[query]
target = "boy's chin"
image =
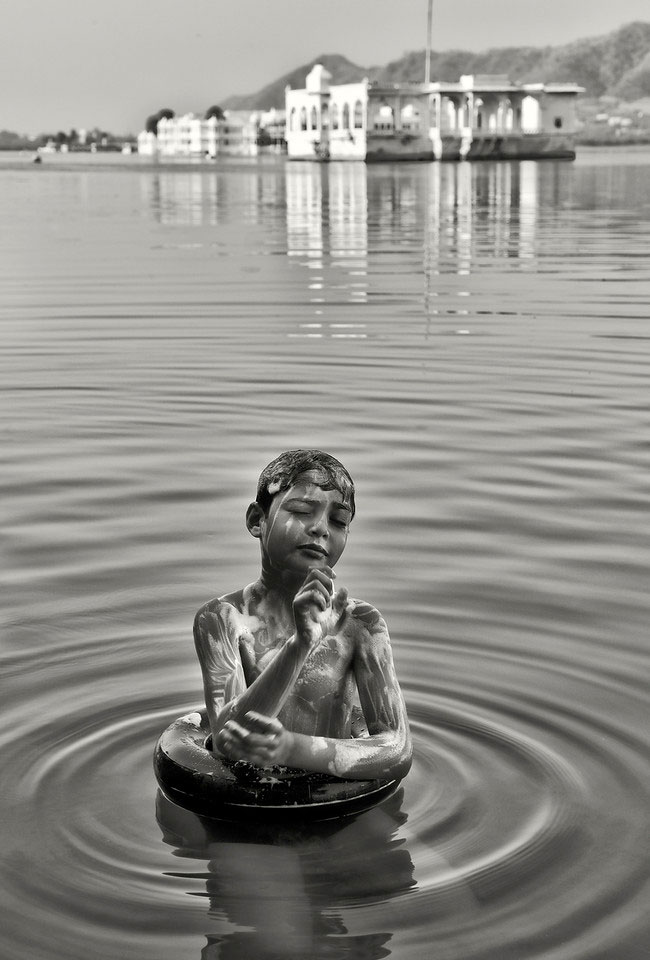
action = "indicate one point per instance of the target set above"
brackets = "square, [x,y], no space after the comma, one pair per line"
[306,561]
[313,559]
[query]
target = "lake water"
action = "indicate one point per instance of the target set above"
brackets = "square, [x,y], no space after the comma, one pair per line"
[472,340]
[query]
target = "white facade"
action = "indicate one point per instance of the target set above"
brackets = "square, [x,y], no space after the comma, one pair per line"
[347,121]
[477,116]
[325,121]
[187,136]
[147,143]
[194,136]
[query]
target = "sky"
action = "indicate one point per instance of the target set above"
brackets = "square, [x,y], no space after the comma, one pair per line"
[110,63]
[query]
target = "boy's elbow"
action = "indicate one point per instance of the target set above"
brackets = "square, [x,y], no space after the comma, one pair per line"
[397,755]
[398,760]
[403,763]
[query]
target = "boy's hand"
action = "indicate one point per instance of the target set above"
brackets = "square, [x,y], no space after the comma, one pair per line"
[316,608]
[260,740]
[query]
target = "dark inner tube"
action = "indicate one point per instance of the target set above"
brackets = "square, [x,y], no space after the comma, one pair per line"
[190,775]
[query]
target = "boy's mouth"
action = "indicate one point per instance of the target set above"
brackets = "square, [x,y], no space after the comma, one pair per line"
[313,549]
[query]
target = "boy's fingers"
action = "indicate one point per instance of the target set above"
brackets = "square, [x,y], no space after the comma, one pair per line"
[240,733]
[340,600]
[317,597]
[234,729]
[263,724]
[324,575]
[314,583]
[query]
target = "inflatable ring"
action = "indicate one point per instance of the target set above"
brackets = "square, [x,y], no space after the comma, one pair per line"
[192,776]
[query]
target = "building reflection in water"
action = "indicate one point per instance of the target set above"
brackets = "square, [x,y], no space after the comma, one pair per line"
[528,204]
[327,235]
[346,227]
[281,891]
[182,197]
[207,196]
[344,222]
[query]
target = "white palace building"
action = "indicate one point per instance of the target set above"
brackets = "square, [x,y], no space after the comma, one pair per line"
[480,116]
[236,134]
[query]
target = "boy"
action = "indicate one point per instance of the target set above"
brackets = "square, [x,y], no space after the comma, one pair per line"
[294,672]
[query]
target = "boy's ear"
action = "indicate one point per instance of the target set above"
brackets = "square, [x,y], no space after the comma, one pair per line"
[254,517]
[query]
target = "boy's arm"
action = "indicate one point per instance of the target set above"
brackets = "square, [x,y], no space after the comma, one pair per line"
[216,638]
[216,641]
[384,754]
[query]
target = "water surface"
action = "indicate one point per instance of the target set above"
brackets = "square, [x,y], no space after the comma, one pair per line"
[472,341]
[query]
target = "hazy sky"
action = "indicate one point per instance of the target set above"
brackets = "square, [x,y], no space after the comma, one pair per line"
[110,63]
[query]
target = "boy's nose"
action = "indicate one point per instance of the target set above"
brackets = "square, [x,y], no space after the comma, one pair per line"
[319,526]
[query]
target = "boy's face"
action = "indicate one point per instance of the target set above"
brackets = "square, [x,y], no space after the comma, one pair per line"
[306,526]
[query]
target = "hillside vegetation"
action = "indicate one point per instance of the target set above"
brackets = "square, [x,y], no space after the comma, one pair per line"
[616,65]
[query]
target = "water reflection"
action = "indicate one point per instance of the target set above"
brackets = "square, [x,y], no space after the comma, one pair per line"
[185,198]
[457,209]
[327,237]
[277,892]
[457,214]
[207,197]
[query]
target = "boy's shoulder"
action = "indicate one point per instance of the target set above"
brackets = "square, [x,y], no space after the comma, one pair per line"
[366,617]
[222,606]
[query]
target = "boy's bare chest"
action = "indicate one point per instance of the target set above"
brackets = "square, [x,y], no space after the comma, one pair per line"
[324,672]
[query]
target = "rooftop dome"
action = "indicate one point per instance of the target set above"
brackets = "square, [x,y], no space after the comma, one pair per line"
[318,79]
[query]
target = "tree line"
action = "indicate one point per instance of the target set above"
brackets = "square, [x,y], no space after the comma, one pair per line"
[152,121]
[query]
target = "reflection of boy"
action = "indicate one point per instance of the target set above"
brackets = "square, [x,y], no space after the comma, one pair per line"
[294,672]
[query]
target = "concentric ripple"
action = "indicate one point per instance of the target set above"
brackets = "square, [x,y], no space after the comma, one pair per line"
[498,803]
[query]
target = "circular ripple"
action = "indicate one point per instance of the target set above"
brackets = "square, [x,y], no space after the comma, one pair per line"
[490,820]
[495,802]
[86,804]
[507,818]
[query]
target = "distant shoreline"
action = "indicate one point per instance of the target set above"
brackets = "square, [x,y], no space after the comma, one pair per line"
[621,141]
[618,143]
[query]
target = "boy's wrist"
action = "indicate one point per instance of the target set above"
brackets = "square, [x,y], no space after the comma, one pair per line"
[305,637]
[289,748]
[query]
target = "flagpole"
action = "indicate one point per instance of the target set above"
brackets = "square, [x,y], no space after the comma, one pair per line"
[427,63]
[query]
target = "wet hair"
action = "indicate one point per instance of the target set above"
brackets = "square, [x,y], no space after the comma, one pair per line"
[282,472]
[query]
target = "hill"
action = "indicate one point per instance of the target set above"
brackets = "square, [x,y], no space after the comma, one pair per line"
[615,65]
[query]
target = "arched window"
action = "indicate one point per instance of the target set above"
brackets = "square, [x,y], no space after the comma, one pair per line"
[314,118]
[504,115]
[345,121]
[334,115]
[384,119]
[410,117]
[303,118]
[478,113]
[531,115]
[292,119]
[358,115]
[324,115]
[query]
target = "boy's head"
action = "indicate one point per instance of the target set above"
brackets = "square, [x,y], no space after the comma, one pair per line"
[283,472]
